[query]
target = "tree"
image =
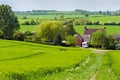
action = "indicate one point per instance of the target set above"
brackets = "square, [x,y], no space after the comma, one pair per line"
[70,30]
[71,40]
[58,39]
[1,33]
[86,15]
[111,42]
[50,29]
[8,21]
[98,39]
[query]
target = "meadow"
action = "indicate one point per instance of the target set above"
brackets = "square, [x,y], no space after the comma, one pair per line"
[23,59]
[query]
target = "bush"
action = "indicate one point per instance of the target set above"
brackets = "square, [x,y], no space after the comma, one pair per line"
[28,33]
[28,38]
[110,23]
[111,42]
[19,36]
[71,40]
[98,39]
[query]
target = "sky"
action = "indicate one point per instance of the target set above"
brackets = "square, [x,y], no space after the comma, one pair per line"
[63,5]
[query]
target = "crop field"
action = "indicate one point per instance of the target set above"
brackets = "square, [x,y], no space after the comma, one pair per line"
[31,28]
[24,60]
[104,19]
[79,29]
[110,68]
[109,29]
[32,61]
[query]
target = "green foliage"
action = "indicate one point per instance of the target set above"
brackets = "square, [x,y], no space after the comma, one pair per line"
[111,42]
[98,39]
[31,22]
[70,29]
[19,36]
[71,40]
[58,39]
[50,29]
[86,15]
[1,33]
[8,21]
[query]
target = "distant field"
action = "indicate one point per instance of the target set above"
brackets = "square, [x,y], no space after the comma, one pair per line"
[109,29]
[104,19]
[32,28]
[79,29]
[50,16]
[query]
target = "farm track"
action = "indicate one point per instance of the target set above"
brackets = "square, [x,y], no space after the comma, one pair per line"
[84,71]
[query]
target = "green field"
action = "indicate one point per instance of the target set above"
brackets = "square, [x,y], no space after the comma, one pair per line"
[109,29]
[28,59]
[31,28]
[32,61]
[79,29]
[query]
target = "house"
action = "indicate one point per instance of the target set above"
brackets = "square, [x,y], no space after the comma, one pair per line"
[117,36]
[79,39]
[88,33]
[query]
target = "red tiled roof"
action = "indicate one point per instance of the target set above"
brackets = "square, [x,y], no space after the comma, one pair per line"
[90,31]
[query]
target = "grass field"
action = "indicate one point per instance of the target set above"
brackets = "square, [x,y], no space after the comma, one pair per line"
[109,29]
[31,60]
[110,68]
[31,28]
[79,29]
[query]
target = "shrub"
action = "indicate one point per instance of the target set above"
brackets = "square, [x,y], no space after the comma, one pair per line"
[71,40]
[111,42]
[28,33]
[28,38]
[19,36]
[98,39]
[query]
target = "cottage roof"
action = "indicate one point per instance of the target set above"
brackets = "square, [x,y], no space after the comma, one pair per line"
[89,31]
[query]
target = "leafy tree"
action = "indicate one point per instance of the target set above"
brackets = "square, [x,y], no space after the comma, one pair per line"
[50,29]
[86,15]
[70,30]
[8,21]
[98,39]
[58,39]
[71,40]
[111,42]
